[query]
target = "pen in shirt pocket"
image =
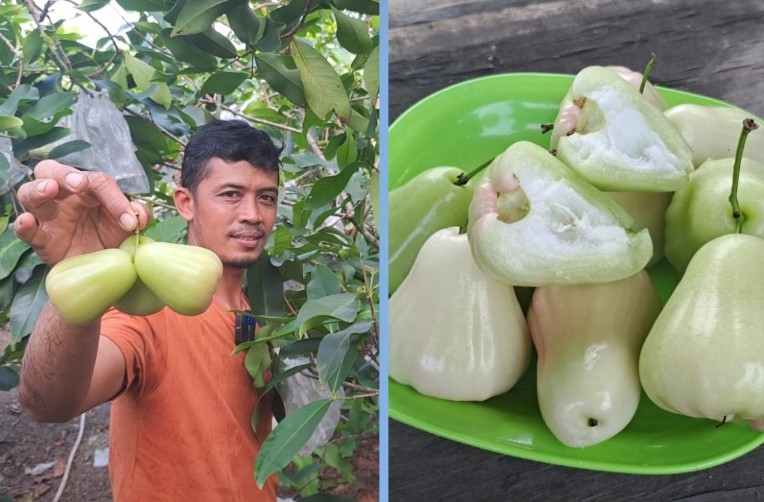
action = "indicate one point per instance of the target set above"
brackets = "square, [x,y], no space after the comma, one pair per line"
[245,329]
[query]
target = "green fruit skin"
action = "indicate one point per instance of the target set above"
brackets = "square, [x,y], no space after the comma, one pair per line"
[704,356]
[139,301]
[131,244]
[82,288]
[184,277]
[701,211]
[425,204]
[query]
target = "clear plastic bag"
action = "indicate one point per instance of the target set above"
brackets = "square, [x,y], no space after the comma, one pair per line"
[96,120]
[299,390]
[16,170]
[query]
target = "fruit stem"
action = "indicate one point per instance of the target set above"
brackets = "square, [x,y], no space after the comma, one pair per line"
[646,73]
[137,232]
[748,126]
[463,178]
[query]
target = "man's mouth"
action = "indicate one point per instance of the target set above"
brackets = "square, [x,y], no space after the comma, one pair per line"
[248,239]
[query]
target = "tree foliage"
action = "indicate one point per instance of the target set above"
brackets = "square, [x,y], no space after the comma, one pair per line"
[305,71]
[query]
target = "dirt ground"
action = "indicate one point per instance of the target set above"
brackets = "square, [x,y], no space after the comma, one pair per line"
[33,458]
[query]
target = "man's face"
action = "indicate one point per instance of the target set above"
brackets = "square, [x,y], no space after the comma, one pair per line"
[232,212]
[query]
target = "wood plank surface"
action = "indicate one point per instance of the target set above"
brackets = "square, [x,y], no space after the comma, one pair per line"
[709,47]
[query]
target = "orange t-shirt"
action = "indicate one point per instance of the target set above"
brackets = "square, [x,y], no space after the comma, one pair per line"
[181,428]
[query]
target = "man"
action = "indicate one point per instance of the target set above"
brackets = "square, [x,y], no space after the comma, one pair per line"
[182,404]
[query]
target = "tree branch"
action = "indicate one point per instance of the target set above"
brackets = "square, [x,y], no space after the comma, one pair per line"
[299,22]
[314,146]
[19,56]
[162,129]
[117,50]
[53,44]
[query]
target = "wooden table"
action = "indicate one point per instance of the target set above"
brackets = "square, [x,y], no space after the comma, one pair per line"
[708,47]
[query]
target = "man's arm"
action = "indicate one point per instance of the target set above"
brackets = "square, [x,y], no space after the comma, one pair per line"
[68,369]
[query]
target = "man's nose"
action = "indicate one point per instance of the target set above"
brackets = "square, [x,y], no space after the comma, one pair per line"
[249,211]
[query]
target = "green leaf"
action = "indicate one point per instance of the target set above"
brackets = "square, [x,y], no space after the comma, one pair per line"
[286,439]
[188,53]
[300,215]
[32,45]
[271,39]
[358,122]
[27,264]
[27,305]
[347,152]
[92,5]
[282,238]
[265,288]
[329,236]
[34,127]
[48,106]
[323,88]
[67,148]
[196,16]
[327,188]
[6,293]
[214,43]
[24,92]
[146,133]
[290,12]
[11,250]
[300,347]
[10,122]
[247,27]
[361,6]
[333,458]
[283,375]
[224,82]
[374,198]
[142,5]
[258,361]
[323,282]
[143,74]
[352,33]
[285,81]
[168,230]
[21,147]
[337,140]
[5,216]
[371,74]
[8,380]
[336,357]
[314,312]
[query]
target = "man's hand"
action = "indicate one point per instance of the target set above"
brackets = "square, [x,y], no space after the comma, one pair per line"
[70,212]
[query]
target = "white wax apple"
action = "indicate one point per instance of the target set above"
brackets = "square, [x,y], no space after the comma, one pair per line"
[455,333]
[588,339]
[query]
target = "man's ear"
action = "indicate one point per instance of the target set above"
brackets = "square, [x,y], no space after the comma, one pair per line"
[184,203]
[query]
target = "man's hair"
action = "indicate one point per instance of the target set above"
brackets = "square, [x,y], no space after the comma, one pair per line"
[231,141]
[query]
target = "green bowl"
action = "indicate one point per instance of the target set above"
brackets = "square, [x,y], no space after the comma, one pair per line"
[466,125]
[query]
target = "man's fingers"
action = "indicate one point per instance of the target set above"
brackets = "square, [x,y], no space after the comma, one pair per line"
[25,227]
[37,197]
[68,178]
[95,187]
[143,211]
[105,190]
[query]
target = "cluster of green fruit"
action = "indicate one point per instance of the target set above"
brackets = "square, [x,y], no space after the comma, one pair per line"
[574,229]
[140,278]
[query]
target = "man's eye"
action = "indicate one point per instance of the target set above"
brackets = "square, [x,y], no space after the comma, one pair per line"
[229,195]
